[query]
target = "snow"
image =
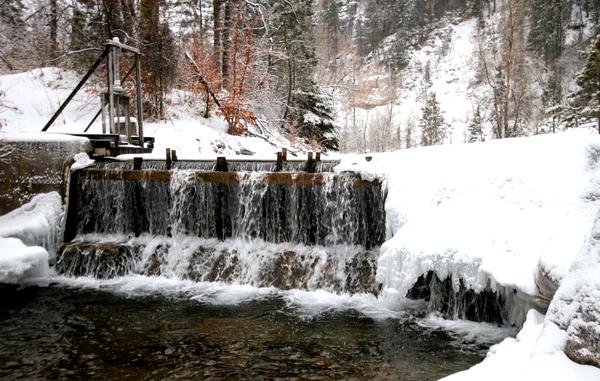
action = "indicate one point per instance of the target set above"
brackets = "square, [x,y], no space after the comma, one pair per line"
[535,354]
[450,54]
[82,160]
[20,263]
[36,223]
[485,212]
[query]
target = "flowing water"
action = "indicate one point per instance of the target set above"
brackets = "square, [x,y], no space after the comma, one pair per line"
[84,333]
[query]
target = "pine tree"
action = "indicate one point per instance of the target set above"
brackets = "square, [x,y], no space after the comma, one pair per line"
[547,28]
[584,103]
[475,128]
[306,110]
[433,128]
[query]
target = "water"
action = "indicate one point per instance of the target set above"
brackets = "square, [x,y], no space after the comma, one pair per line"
[79,333]
[337,268]
[321,209]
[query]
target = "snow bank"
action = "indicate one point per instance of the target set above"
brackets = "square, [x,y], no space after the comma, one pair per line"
[576,306]
[486,212]
[36,223]
[536,354]
[19,263]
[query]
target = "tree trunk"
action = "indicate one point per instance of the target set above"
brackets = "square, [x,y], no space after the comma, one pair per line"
[228,25]
[217,29]
[53,28]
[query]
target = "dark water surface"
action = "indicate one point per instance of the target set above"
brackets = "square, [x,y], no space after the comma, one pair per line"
[63,333]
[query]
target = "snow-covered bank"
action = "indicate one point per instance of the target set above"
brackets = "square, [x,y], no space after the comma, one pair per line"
[36,223]
[490,212]
[535,354]
[19,262]
[28,237]
[495,214]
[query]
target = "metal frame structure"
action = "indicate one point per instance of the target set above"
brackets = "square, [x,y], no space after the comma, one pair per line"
[115,98]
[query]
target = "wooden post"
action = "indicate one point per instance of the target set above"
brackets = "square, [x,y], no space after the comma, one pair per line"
[138,99]
[284,153]
[168,159]
[221,165]
[137,163]
[173,155]
[318,156]
[311,164]
[280,156]
[111,98]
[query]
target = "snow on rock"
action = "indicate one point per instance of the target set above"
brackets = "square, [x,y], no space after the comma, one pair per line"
[36,223]
[485,212]
[535,354]
[19,262]
[576,305]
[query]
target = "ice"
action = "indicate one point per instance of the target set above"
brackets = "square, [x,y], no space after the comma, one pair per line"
[19,263]
[36,223]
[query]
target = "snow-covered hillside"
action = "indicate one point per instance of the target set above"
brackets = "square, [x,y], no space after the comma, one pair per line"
[444,65]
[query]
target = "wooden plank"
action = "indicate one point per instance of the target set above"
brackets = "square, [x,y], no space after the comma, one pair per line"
[230,178]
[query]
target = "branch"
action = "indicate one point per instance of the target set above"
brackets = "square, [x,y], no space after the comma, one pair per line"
[203,80]
[71,53]
[6,61]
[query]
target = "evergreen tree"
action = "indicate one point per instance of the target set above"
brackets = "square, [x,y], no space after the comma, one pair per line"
[547,28]
[316,123]
[306,109]
[584,103]
[475,128]
[433,128]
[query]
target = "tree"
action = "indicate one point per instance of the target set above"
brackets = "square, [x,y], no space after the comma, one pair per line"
[475,128]
[306,109]
[584,103]
[504,68]
[158,49]
[433,128]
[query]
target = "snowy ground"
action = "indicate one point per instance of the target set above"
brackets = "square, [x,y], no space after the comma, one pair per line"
[492,210]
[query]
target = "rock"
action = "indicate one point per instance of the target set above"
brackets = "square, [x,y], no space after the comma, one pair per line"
[583,342]
[245,151]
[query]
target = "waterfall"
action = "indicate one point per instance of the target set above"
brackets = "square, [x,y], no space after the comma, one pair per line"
[267,229]
[312,209]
